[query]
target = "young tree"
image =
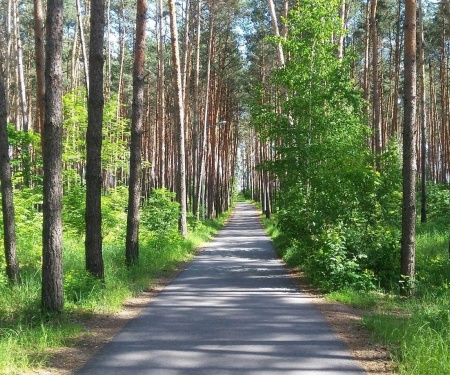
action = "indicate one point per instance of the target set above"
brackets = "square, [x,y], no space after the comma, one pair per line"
[93,243]
[409,150]
[52,276]
[12,264]
[132,239]
[180,119]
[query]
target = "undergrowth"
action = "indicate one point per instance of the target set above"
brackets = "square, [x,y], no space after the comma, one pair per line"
[26,336]
[416,330]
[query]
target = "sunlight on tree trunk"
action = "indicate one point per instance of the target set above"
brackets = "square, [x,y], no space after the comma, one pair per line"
[409,153]
[52,273]
[134,197]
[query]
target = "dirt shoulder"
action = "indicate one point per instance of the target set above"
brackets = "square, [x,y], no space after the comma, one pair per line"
[346,322]
[100,329]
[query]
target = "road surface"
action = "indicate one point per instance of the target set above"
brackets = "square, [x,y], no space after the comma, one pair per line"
[233,311]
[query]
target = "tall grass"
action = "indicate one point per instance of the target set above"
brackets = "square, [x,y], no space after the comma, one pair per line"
[26,336]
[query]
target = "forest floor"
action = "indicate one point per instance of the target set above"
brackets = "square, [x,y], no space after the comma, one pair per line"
[100,329]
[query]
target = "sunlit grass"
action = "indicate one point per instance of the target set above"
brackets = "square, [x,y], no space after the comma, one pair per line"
[26,336]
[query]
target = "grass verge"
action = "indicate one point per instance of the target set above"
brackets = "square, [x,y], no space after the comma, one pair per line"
[26,336]
[415,330]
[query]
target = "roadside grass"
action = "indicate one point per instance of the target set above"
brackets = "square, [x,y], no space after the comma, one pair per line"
[26,336]
[416,330]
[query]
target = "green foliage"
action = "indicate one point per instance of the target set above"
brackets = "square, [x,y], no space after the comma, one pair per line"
[115,150]
[161,212]
[26,336]
[24,144]
[114,213]
[342,217]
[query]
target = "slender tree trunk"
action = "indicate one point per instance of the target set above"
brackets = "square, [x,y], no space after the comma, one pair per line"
[396,74]
[180,118]
[108,50]
[276,31]
[22,94]
[8,56]
[162,98]
[73,76]
[132,239]
[40,62]
[195,141]
[366,83]
[409,151]
[376,102]
[83,45]
[93,242]
[9,231]
[204,154]
[52,277]
[122,33]
[342,15]
[423,118]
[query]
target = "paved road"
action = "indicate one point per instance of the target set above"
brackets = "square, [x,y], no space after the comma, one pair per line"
[232,311]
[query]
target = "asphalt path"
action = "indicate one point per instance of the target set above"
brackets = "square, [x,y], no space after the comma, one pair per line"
[233,310]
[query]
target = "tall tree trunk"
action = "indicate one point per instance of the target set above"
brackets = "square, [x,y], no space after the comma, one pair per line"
[423,118]
[108,50]
[132,238]
[204,154]
[376,102]
[40,62]
[366,81]
[83,45]
[342,15]
[276,31]
[22,94]
[180,119]
[162,98]
[52,276]
[397,73]
[122,32]
[195,135]
[9,231]
[93,242]
[409,151]
[8,56]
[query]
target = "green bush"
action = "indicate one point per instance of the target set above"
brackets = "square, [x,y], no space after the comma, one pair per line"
[160,212]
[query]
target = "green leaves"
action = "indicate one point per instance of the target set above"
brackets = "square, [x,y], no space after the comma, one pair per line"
[341,215]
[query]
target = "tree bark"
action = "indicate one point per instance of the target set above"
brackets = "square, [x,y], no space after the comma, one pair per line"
[23,96]
[202,179]
[409,151]
[134,197]
[162,98]
[276,31]
[83,46]
[40,62]
[423,118]
[376,102]
[52,276]
[9,240]
[180,119]
[93,216]
[195,135]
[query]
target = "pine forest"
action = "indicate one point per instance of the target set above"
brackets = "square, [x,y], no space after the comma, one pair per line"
[129,129]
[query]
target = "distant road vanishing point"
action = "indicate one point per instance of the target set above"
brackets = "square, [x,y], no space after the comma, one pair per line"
[233,311]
